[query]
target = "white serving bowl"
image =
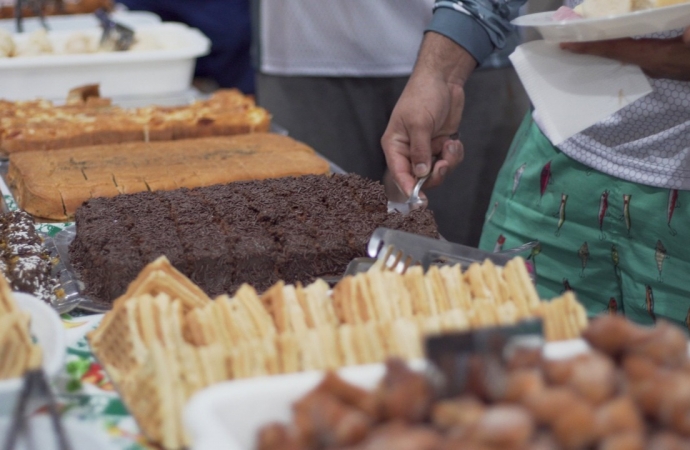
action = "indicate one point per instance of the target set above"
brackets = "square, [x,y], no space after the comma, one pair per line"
[47,329]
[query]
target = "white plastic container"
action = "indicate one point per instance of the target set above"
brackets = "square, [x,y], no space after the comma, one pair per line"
[130,73]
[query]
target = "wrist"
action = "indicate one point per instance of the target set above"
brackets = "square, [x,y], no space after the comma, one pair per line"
[441,57]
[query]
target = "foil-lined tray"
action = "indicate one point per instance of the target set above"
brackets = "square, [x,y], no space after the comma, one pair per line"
[69,279]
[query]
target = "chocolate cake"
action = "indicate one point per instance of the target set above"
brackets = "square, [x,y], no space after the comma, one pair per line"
[24,260]
[293,229]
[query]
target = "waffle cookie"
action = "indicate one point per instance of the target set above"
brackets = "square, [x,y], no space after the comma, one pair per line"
[164,340]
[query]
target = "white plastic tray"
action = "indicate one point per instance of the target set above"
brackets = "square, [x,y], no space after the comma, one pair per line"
[130,73]
[229,415]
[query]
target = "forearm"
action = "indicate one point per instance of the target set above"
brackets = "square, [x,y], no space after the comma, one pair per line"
[440,57]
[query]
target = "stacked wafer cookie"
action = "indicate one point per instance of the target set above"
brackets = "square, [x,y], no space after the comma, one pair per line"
[18,353]
[165,339]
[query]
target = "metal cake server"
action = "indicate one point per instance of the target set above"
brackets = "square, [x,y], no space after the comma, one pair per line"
[414,202]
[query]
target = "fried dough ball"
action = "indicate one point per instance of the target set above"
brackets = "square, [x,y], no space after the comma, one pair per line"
[638,367]
[558,371]
[611,334]
[648,396]
[544,441]
[322,419]
[623,441]
[505,426]
[521,383]
[619,415]
[667,441]
[547,404]
[675,403]
[277,436]
[400,436]
[666,345]
[404,394]
[594,377]
[350,394]
[576,427]
[458,413]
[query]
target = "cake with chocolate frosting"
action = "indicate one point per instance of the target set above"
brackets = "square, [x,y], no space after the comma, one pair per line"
[258,232]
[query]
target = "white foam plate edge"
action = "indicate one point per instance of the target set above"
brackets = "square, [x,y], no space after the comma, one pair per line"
[49,332]
[232,412]
[636,23]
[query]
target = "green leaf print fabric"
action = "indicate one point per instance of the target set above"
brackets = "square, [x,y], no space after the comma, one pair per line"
[621,247]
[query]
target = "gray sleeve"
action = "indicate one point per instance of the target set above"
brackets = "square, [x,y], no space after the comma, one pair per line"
[479,26]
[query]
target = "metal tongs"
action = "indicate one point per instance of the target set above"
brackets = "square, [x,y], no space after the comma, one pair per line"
[458,362]
[37,7]
[116,37]
[35,388]
[398,250]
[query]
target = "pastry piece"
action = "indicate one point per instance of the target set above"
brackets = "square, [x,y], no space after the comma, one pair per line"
[40,125]
[24,260]
[52,185]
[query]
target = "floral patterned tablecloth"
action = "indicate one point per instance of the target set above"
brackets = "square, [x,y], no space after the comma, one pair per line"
[83,389]
[85,392]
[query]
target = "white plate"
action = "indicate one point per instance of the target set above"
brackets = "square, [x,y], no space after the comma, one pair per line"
[233,412]
[637,23]
[81,435]
[49,332]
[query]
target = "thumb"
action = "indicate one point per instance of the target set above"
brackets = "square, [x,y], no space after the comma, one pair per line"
[420,151]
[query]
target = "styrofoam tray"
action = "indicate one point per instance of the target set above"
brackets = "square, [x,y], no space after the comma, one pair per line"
[229,415]
[129,73]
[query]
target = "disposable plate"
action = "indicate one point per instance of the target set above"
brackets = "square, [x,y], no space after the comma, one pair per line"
[637,23]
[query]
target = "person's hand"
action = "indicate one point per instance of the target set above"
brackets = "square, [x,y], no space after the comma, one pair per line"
[427,114]
[658,58]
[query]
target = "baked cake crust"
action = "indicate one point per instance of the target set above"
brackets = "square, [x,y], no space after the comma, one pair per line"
[40,125]
[54,184]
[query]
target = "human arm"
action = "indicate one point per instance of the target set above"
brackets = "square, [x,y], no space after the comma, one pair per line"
[461,34]
[427,113]
[658,58]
